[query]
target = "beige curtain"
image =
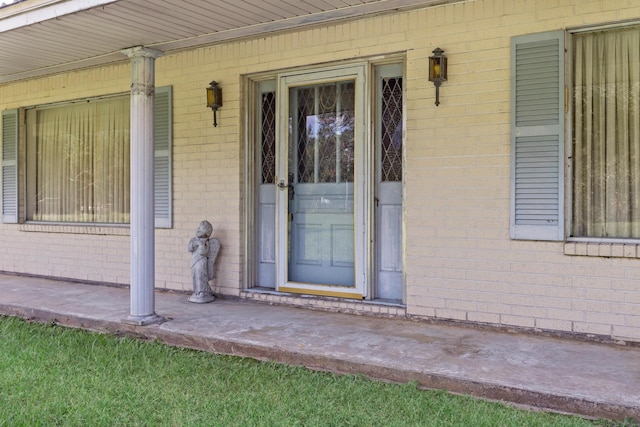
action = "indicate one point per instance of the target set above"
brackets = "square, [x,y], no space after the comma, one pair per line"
[606,152]
[82,171]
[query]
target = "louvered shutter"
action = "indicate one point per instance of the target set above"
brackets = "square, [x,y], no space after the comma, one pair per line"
[162,157]
[537,137]
[10,166]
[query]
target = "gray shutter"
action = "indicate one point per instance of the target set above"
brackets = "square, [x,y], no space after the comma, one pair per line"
[162,157]
[10,166]
[537,136]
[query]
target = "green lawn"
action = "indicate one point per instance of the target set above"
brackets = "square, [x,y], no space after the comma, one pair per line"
[50,375]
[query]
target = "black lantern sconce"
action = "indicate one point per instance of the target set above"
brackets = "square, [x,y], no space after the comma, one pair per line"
[214,99]
[437,70]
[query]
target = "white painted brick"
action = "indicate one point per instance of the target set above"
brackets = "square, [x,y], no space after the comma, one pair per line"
[491,318]
[554,325]
[592,328]
[527,322]
[446,313]
[461,263]
[626,333]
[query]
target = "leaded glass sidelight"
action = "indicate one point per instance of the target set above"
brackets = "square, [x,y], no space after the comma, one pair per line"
[391,129]
[324,143]
[268,137]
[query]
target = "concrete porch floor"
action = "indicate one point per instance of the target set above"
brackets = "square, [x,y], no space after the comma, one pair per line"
[587,378]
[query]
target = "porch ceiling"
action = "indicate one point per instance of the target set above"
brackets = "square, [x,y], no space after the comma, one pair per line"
[40,37]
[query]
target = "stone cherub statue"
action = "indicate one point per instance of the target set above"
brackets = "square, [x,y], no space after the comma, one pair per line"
[204,251]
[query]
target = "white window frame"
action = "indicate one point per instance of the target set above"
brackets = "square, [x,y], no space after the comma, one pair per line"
[163,130]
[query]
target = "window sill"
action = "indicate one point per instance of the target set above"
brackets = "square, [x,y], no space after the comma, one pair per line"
[96,229]
[606,249]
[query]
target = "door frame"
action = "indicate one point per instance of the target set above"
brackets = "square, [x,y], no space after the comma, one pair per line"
[252,175]
[380,72]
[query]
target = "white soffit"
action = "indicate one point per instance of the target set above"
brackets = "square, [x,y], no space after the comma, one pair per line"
[40,37]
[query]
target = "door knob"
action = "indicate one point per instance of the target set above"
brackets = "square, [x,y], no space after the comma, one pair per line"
[282,186]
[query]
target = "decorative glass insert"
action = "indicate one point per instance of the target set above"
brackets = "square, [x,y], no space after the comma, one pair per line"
[268,137]
[324,126]
[392,129]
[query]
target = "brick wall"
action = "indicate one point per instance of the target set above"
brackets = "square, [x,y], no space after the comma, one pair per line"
[460,262]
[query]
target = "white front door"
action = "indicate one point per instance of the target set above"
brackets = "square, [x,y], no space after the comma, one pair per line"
[320,205]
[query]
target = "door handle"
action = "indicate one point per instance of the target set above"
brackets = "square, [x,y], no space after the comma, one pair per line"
[282,186]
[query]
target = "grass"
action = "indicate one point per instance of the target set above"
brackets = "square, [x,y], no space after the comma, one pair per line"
[50,375]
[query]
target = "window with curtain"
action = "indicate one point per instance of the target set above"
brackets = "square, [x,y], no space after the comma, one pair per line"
[80,162]
[606,132]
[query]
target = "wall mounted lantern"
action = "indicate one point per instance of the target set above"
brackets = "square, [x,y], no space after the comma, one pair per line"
[437,70]
[214,99]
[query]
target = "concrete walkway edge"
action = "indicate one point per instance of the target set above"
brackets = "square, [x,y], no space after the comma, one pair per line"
[596,380]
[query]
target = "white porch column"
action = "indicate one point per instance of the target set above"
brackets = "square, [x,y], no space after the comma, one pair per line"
[142,189]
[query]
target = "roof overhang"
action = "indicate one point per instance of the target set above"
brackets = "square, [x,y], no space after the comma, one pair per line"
[42,37]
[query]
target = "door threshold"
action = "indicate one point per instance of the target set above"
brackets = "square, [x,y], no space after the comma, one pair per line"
[260,290]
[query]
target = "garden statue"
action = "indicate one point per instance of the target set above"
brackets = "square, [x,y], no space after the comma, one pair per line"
[204,251]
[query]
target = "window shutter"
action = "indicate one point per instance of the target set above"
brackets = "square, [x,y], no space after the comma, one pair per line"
[537,136]
[162,157]
[10,166]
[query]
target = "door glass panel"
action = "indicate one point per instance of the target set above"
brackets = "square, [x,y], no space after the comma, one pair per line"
[391,121]
[268,137]
[321,192]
